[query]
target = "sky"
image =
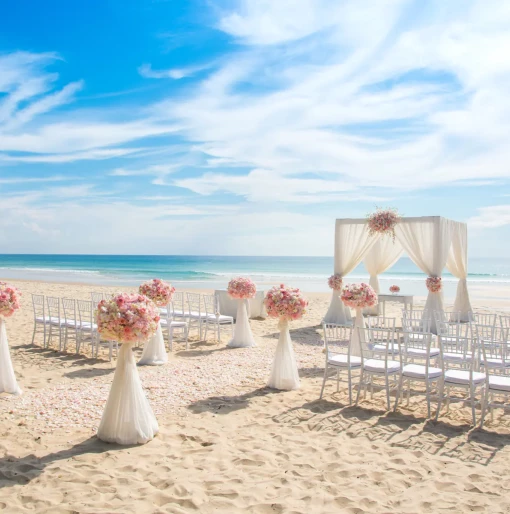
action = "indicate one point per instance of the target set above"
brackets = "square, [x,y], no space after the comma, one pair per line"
[245,127]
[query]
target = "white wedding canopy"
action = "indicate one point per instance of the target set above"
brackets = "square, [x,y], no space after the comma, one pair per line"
[431,242]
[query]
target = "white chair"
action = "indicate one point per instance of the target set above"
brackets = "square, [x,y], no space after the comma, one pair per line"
[456,346]
[420,349]
[178,310]
[497,387]
[380,322]
[447,317]
[40,319]
[415,313]
[196,316]
[458,358]
[55,320]
[214,318]
[493,348]
[71,321]
[379,366]
[482,318]
[168,323]
[96,298]
[87,329]
[504,322]
[337,340]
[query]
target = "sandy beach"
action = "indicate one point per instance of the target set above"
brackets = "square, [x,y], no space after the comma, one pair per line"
[227,444]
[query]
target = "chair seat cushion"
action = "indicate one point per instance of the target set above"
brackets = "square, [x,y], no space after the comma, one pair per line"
[197,315]
[378,366]
[340,360]
[461,376]
[499,383]
[381,348]
[222,318]
[495,363]
[45,319]
[422,352]
[417,371]
[173,323]
[454,357]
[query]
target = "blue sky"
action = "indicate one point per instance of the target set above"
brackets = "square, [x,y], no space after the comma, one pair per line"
[247,126]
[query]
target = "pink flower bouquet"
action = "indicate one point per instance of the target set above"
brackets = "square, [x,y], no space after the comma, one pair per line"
[383,221]
[127,318]
[286,303]
[335,282]
[241,288]
[359,296]
[159,292]
[434,284]
[394,289]
[9,300]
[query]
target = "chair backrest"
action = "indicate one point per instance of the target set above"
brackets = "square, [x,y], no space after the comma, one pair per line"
[384,339]
[194,303]
[337,339]
[416,324]
[417,344]
[460,329]
[85,311]
[504,322]
[496,351]
[53,303]
[484,332]
[482,318]
[178,303]
[447,317]
[38,305]
[460,350]
[69,308]
[416,313]
[96,297]
[211,304]
[380,322]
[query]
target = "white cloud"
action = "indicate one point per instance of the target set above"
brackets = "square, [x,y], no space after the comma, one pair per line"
[173,73]
[491,217]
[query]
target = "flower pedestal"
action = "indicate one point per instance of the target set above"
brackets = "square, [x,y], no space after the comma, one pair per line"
[154,350]
[359,322]
[127,417]
[8,382]
[284,373]
[243,336]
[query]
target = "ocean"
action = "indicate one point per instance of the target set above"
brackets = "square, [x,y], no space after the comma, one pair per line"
[192,271]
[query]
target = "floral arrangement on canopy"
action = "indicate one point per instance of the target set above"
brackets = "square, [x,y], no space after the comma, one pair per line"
[383,222]
[160,292]
[286,303]
[127,318]
[241,288]
[335,282]
[434,284]
[394,289]
[9,300]
[359,296]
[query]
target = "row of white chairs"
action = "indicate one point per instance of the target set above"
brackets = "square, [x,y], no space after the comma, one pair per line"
[471,361]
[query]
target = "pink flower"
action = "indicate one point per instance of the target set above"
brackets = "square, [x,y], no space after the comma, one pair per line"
[241,288]
[285,303]
[434,284]
[161,293]
[9,300]
[335,282]
[359,296]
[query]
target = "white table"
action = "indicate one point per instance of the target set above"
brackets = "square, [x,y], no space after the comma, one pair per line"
[228,306]
[407,300]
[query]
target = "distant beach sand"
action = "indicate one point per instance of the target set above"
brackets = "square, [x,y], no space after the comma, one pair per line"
[227,444]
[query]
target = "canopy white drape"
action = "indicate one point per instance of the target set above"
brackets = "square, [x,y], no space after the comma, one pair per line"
[383,255]
[352,242]
[427,242]
[457,266]
[432,242]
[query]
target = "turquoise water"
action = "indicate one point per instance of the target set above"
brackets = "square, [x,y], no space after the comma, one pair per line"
[309,273]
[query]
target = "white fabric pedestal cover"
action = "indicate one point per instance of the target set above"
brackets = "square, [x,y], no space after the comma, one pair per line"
[337,312]
[243,336]
[359,322]
[127,417]
[284,373]
[154,350]
[8,382]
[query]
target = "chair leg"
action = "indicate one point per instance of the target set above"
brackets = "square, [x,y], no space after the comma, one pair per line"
[484,406]
[187,332]
[349,385]
[399,389]
[360,384]
[171,339]
[33,335]
[323,382]
[473,410]
[387,383]
[440,398]
[427,393]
